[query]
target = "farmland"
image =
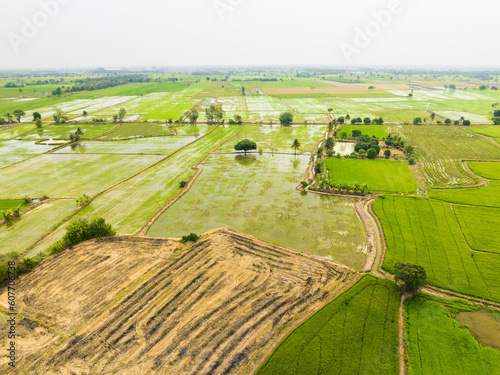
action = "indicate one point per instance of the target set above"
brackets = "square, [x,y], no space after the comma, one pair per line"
[279,138]
[378,131]
[442,149]
[378,175]
[202,306]
[256,195]
[14,151]
[439,345]
[339,339]
[68,175]
[426,232]
[293,269]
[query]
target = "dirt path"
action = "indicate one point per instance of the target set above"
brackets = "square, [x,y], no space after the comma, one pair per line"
[372,237]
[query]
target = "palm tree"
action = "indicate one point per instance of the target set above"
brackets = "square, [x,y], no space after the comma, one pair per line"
[295,146]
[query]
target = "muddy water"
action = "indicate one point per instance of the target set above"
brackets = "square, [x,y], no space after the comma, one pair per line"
[344,148]
[483,326]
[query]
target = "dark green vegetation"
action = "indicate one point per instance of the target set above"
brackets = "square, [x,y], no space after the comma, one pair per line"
[10,204]
[437,344]
[357,333]
[80,231]
[412,277]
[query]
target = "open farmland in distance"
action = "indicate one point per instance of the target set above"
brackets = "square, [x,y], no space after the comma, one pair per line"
[339,339]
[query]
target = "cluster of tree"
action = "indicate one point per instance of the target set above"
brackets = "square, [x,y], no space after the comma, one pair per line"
[120,116]
[8,118]
[256,80]
[236,121]
[340,188]
[75,137]
[193,116]
[60,117]
[9,215]
[358,120]
[245,145]
[191,237]
[12,85]
[286,118]
[214,113]
[91,84]
[370,145]
[80,231]
[496,117]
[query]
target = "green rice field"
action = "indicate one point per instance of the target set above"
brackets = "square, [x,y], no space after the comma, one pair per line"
[438,344]
[378,131]
[426,232]
[379,175]
[356,333]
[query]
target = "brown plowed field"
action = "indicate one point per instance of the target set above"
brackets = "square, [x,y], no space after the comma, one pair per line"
[149,306]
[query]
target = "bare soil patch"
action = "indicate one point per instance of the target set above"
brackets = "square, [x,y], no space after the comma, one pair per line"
[137,306]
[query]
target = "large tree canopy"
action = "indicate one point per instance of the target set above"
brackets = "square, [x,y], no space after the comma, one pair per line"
[245,145]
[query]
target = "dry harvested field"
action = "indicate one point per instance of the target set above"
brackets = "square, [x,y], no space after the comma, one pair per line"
[135,306]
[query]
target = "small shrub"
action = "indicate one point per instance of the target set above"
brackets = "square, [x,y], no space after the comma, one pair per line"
[191,237]
[183,184]
[27,200]
[83,201]
[82,230]
[304,184]
[411,161]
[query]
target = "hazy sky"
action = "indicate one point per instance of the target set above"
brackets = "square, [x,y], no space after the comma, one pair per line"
[81,33]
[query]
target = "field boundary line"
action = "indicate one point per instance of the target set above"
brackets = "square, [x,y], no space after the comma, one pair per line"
[144,230]
[67,218]
[302,320]
[150,166]
[449,294]
[109,131]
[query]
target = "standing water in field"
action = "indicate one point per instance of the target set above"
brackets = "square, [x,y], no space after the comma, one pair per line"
[483,326]
[344,148]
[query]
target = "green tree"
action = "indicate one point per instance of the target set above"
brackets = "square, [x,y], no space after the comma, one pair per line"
[466,122]
[36,116]
[433,116]
[9,118]
[79,131]
[193,116]
[356,133]
[286,118]
[341,120]
[387,153]
[417,120]
[367,120]
[122,114]
[411,277]
[245,145]
[496,113]
[59,116]
[411,161]
[447,121]
[330,143]
[296,145]
[38,123]
[371,153]
[19,113]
